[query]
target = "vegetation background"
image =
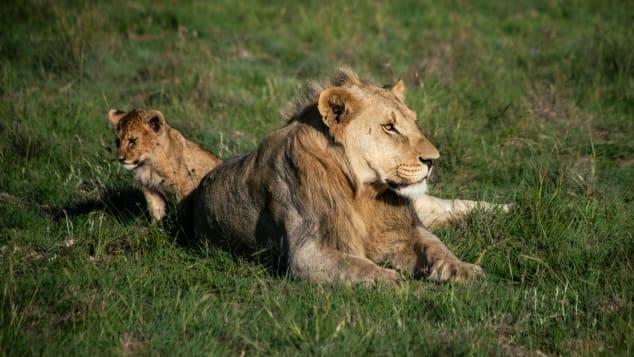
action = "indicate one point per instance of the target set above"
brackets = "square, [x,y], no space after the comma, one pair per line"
[530,102]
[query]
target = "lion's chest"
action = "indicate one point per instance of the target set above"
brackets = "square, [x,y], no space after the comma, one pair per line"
[150,178]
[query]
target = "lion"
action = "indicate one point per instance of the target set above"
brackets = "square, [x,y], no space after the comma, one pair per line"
[332,194]
[165,163]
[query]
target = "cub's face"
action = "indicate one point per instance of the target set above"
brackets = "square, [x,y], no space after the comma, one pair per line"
[380,135]
[138,134]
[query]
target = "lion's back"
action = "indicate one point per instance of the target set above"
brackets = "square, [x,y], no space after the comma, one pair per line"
[227,209]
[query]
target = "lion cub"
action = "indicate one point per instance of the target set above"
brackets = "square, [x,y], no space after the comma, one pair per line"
[165,163]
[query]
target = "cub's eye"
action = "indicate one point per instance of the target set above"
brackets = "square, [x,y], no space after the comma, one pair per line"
[390,128]
[131,142]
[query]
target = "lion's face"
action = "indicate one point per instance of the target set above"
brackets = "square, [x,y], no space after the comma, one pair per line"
[380,136]
[138,134]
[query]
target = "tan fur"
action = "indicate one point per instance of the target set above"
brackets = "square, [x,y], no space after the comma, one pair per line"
[165,163]
[329,195]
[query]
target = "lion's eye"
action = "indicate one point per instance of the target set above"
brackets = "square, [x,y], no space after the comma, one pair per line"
[389,127]
[131,142]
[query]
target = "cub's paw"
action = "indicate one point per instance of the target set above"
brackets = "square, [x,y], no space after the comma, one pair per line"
[453,270]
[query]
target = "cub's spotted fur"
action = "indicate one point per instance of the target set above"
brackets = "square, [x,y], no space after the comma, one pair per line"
[165,163]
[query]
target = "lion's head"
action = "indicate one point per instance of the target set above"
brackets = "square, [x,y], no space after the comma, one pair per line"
[138,133]
[379,134]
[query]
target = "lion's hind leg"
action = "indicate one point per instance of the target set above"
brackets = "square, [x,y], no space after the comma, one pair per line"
[331,266]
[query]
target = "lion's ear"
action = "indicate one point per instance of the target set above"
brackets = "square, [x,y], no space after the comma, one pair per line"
[155,120]
[398,89]
[335,106]
[115,115]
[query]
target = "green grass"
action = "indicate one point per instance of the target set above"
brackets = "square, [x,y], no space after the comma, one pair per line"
[531,103]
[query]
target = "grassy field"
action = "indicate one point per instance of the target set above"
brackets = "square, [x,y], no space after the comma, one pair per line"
[528,102]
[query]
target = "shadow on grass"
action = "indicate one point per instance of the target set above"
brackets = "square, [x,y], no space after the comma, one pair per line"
[124,205]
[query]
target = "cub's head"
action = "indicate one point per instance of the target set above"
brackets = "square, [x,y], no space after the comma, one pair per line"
[379,134]
[138,134]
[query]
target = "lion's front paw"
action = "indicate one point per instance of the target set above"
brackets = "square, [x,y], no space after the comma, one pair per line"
[382,276]
[389,277]
[454,270]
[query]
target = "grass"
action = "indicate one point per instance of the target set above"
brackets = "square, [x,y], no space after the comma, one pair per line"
[528,102]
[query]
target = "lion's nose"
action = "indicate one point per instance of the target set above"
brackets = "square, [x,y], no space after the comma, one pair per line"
[428,162]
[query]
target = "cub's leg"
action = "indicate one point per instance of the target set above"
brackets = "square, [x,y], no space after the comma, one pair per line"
[330,266]
[155,204]
[434,211]
[426,254]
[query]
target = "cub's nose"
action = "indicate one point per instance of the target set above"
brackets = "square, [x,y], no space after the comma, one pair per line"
[428,162]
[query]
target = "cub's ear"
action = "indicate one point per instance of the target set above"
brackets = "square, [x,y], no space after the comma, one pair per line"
[155,120]
[398,89]
[115,115]
[336,106]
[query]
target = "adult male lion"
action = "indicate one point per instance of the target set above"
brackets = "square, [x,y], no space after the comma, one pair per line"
[331,191]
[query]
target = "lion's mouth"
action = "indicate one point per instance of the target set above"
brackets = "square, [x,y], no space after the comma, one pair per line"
[131,165]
